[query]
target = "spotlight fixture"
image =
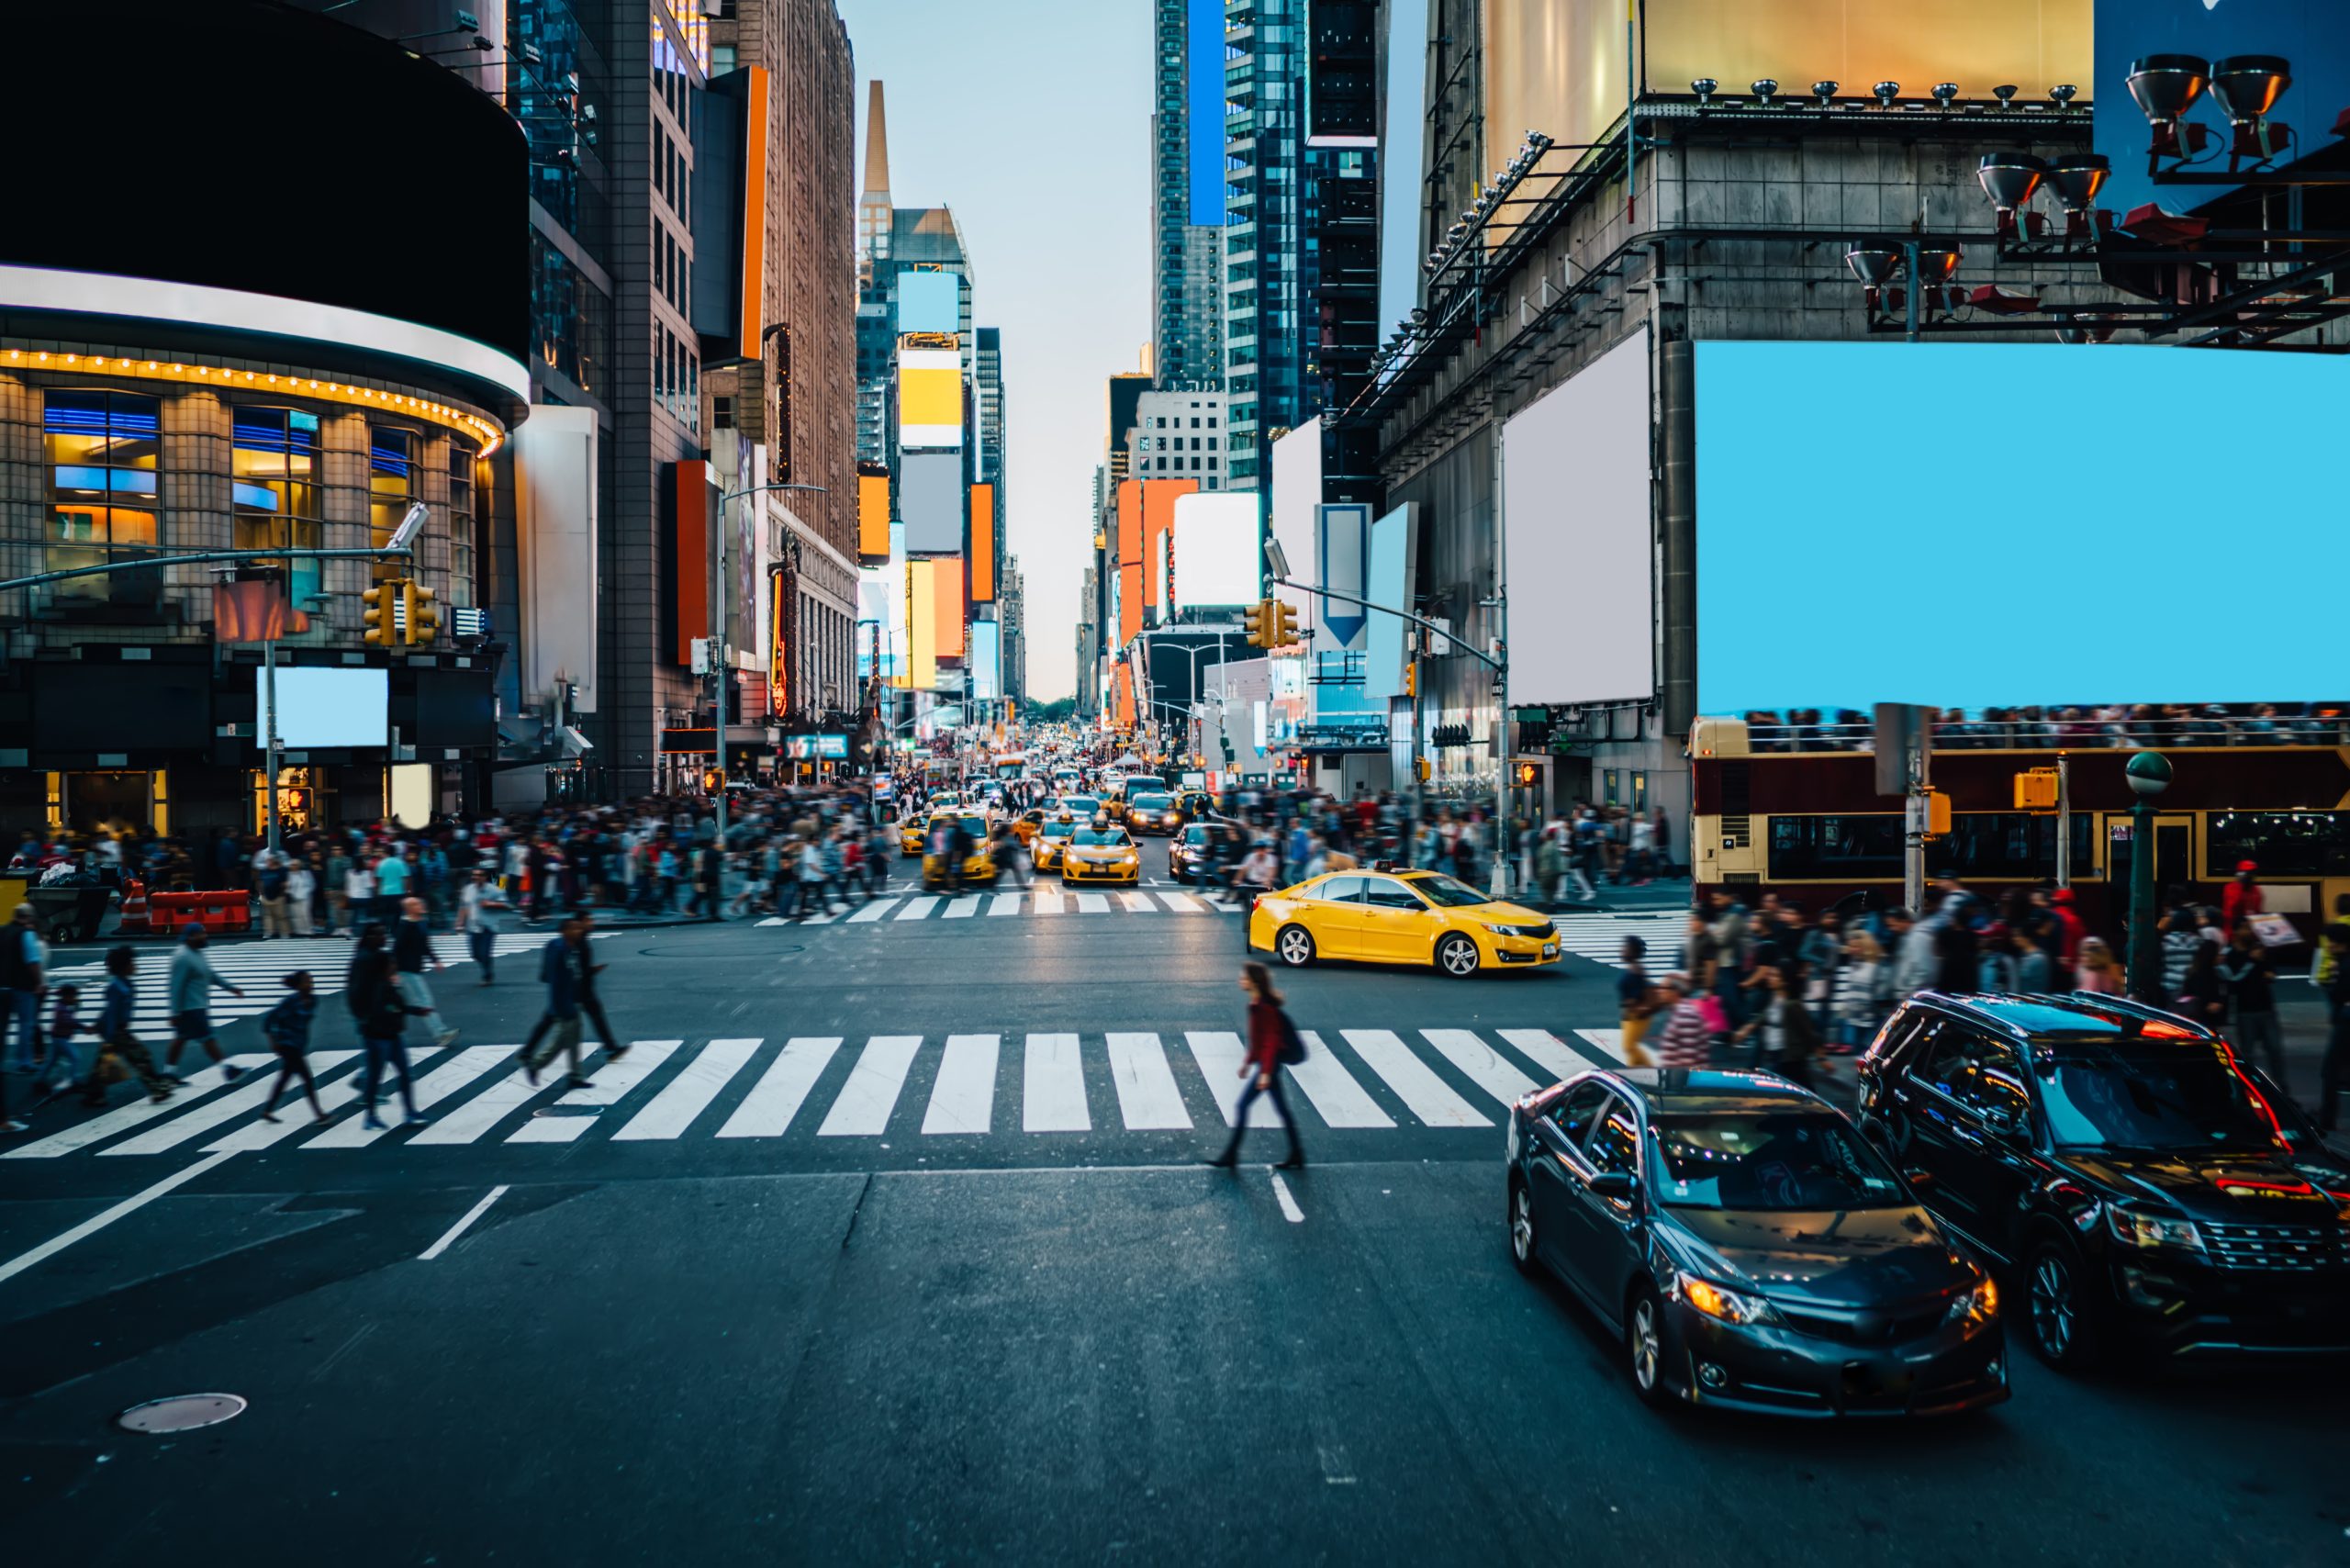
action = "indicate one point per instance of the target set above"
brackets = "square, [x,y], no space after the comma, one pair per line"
[1945,94]
[1704,87]
[2077,178]
[2246,86]
[2061,96]
[1826,93]
[2006,93]
[2009,179]
[2165,87]
[1765,90]
[1885,92]
[1872,267]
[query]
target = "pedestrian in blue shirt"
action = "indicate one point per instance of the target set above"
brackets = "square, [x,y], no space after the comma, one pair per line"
[286,1026]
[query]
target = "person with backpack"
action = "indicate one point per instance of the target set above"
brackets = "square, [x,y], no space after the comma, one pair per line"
[286,1026]
[129,1054]
[1273,1041]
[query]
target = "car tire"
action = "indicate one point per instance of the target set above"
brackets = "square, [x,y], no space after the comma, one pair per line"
[2060,1311]
[1456,955]
[1521,1230]
[1293,946]
[1644,1346]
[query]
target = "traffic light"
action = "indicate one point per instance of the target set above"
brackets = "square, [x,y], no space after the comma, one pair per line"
[380,600]
[1530,773]
[1260,625]
[421,622]
[1412,678]
[712,781]
[2036,790]
[1282,632]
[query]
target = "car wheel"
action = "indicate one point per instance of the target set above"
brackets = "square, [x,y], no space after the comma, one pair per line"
[2062,1316]
[1521,1228]
[1456,955]
[1644,1346]
[1293,945]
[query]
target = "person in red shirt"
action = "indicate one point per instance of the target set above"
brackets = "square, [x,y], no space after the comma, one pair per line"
[2069,954]
[1268,1030]
[2241,901]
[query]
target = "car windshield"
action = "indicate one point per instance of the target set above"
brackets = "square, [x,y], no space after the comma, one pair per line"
[1447,893]
[1082,805]
[1150,803]
[1060,830]
[1097,837]
[1195,834]
[1791,1160]
[975,827]
[2125,1093]
[1144,782]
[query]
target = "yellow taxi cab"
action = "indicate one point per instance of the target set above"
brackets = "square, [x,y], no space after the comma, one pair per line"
[1026,826]
[1052,837]
[979,869]
[911,831]
[1100,854]
[1403,917]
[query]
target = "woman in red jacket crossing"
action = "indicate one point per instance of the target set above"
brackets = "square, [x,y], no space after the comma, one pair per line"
[1269,1030]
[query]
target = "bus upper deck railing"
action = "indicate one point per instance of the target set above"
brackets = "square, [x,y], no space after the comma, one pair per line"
[2074,729]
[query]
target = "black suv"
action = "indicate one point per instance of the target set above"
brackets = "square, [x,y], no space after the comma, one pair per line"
[2148,1185]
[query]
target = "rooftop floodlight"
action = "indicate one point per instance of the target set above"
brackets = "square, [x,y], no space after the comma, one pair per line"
[2246,86]
[2166,85]
[1826,93]
[2061,93]
[1936,266]
[2006,93]
[2077,177]
[1419,315]
[1886,93]
[1765,90]
[1872,266]
[1704,87]
[2009,179]
[1945,93]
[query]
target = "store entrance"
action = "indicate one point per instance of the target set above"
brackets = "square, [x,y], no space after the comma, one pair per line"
[115,802]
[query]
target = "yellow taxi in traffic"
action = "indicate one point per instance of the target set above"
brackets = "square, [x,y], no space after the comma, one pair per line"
[1101,853]
[979,869]
[1052,837]
[1402,917]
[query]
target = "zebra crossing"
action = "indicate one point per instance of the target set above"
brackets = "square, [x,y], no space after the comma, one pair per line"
[1599,936]
[831,1087]
[1038,901]
[255,968]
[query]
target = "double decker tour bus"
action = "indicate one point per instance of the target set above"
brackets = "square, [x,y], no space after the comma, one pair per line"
[1793,808]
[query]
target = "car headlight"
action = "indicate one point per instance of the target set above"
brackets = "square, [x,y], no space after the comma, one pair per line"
[1730,1305]
[1980,1305]
[1499,930]
[2134,1229]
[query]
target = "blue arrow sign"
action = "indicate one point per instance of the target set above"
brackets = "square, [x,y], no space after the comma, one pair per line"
[1342,551]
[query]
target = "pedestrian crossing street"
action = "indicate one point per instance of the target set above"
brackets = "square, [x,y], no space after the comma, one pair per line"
[255,968]
[831,1087]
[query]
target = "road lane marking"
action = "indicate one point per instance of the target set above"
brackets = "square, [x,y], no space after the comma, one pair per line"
[1609,1040]
[1052,1091]
[294,1111]
[1148,1098]
[823,918]
[871,1092]
[1336,1095]
[1093,903]
[121,1119]
[1049,903]
[1547,1051]
[1003,903]
[487,1109]
[1290,1211]
[1219,1054]
[448,1078]
[872,911]
[963,1099]
[1425,1095]
[99,1222]
[767,1110]
[1140,902]
[689,1094]
[608,1085]
[1182,904]
[963,908]
[1484,1067]
[917,907]
[459,1228]
[219,1108]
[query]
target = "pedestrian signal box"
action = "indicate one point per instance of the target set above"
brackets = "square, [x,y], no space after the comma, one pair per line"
[2036,790]
[1937,814]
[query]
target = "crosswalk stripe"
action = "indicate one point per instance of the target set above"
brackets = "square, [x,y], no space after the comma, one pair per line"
[608,1085]
[1609,1040]
[1425,1095]
[217,1109]
[872,911]
[963,1099]
[775,920]
[768,1108]
[1219,1054]
[469,1121]
[1140,902]
[121,1119]
[871,1092]
[448,1078]
[1340,1101]
[1003,903]
[1052,1088]
[1148,1098]
[963,908]
[1483,1066]
[822,917]
[1182,904]
[1093,903]
[294,1111]
[689,1093]
[1050,902]
[1550,1053]
[918,906]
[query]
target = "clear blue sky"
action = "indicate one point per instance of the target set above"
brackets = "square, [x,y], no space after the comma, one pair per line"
[1031,118]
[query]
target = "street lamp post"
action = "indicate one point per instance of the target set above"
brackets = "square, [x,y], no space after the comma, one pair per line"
[2149,774]
[717,644]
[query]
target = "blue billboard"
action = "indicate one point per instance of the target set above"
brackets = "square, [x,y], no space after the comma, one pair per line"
[930,302]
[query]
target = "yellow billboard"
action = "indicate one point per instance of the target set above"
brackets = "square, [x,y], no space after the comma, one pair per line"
[921,624]
[1562,66]
[930,398]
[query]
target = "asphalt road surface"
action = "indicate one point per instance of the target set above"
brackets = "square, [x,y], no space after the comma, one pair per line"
[885,1242]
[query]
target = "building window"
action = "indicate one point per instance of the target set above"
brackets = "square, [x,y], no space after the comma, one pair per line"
[391,485]
[273,464]
[103,449]
[462,562]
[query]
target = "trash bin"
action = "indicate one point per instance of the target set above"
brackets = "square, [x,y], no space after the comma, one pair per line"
[68,911]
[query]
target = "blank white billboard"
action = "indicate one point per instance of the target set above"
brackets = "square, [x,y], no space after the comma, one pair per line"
[1215,548]
[1297,497]
[322,707]
[930,499]
[1576,536]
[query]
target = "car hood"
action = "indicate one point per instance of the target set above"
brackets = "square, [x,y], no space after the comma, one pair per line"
[1511,914]
[1860,1257]
[2231,1189]
[1103,855]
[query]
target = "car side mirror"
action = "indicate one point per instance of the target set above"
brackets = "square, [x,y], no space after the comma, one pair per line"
[2010,1127]
[1618,1184]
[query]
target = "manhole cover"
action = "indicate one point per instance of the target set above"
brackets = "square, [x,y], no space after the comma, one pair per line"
[181,1413]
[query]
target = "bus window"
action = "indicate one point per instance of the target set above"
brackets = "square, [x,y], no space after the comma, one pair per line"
[2284,843]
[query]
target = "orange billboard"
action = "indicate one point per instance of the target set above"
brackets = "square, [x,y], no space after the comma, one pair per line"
[872,514]
[983,544]
[947,604]
[921,624]
[1130,559]
[1157,520]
